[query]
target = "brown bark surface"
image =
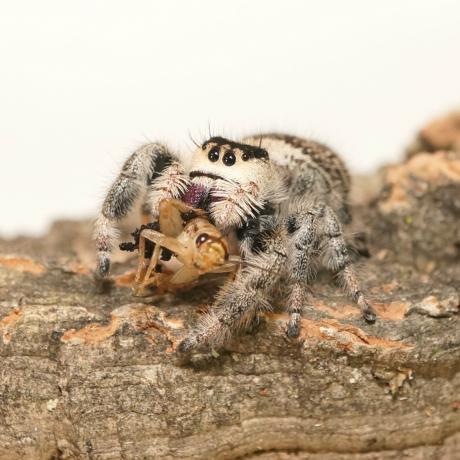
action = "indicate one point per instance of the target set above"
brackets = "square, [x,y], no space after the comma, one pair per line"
[442,133]
[94,375]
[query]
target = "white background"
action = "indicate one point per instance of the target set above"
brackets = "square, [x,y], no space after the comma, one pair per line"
[82,83]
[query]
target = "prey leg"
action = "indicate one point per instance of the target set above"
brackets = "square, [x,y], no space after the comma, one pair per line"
[172,244]
[153,262]
[141,264]
[140,285]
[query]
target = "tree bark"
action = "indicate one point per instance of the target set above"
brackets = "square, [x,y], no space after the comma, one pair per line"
[94,375]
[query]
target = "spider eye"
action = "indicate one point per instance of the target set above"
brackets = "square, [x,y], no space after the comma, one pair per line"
[245,156]
[261,153]
[229,158]
[213,154]
[202,239]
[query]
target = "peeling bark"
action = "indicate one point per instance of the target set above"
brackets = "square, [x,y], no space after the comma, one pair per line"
[94,375]
[442,133]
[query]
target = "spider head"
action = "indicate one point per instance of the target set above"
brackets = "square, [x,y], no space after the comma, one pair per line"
[211,251]
[220,158]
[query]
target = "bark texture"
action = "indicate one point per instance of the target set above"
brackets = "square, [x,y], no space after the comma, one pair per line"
[443,133]
[91,374]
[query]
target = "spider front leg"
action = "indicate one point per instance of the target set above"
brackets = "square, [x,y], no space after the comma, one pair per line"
[151,166]
[336,257]
[239,300]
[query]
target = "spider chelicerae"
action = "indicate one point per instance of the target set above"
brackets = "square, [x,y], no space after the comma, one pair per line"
[280,201]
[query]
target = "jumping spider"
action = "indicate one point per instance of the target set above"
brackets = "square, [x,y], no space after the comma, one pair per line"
[280,207]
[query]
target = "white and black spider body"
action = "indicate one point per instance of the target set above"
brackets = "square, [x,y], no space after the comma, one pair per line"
[284,199]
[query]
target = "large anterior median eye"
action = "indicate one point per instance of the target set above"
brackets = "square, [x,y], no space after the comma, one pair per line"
[213,154]
[229,158]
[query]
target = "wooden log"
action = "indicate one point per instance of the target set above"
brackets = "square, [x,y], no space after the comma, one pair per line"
[94,375]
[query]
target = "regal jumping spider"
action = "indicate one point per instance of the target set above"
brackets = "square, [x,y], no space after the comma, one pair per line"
[282,207]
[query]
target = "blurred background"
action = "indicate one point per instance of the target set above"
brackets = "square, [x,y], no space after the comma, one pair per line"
[83,83]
